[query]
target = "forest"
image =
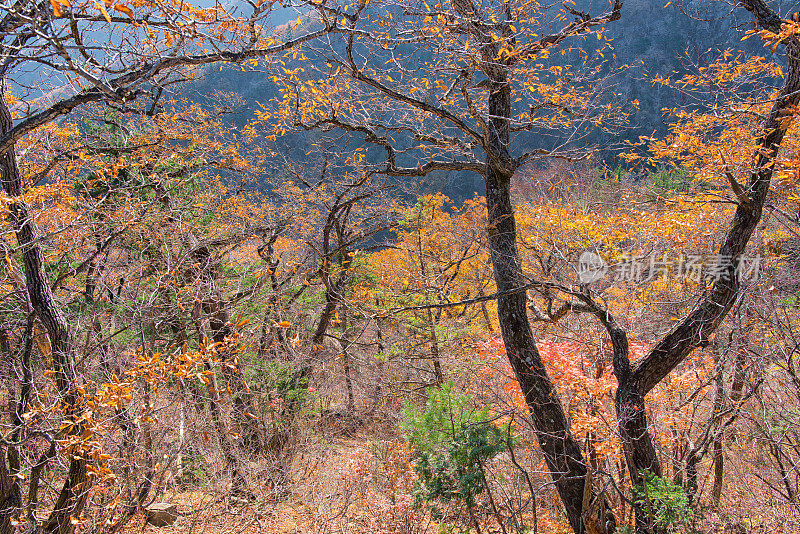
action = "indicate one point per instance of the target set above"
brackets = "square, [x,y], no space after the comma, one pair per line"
[418,267]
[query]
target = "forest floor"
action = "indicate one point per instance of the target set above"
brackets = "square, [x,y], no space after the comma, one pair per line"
[319,497]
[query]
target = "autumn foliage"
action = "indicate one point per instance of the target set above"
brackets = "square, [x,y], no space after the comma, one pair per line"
[192,312]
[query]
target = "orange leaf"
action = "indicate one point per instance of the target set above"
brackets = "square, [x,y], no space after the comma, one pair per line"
[124,9]
[57,6]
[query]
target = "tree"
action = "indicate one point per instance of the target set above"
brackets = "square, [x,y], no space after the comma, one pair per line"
[757,162]
[129,64]
[428,107]
[449,86]
[340,214]
[129,233]
[438,259]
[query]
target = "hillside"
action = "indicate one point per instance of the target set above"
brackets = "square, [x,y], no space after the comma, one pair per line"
[403,267]
[648,42]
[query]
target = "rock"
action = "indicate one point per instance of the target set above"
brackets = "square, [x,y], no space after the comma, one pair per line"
[161,514]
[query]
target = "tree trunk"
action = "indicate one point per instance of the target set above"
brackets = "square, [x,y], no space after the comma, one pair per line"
[333,297]
[72,496]
[635,381]
[562,453]
[348,381]
[637,444]
[719,472]
[434,341]
[238,482]
[378,391]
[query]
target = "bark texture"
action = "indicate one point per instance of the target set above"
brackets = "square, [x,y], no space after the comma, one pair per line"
[562,452]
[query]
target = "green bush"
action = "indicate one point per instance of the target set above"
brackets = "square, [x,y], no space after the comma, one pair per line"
[669,178]
[667,503]
[454,440]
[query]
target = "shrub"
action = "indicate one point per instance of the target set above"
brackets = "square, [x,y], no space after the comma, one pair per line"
[668,503]
[454,440]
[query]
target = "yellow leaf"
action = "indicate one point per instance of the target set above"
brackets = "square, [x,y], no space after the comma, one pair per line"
[102,9]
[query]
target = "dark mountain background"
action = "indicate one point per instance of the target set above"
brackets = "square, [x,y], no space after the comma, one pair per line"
[651,38]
